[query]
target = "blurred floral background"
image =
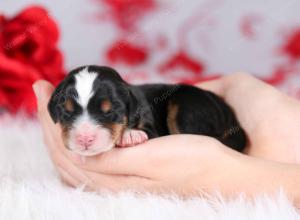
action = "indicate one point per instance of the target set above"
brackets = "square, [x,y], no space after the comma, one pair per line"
[146,41]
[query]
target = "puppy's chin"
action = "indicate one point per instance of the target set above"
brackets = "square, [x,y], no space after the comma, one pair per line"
[91,152]
[102,141]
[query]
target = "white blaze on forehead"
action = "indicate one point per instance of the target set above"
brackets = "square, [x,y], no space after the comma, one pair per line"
[84,118]
[84,86]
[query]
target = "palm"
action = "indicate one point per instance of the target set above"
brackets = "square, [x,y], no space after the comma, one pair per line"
[269,117]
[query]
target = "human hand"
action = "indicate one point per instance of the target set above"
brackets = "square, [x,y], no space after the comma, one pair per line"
[62,158]
[270,118]
[180,163]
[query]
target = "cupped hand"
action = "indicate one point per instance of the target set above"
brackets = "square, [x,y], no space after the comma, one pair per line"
[270,118]
[184,164]
[61,157]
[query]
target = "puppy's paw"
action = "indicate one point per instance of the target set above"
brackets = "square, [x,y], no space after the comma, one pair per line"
[132,137]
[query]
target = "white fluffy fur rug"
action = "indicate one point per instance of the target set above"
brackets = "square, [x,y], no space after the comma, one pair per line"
[30,189]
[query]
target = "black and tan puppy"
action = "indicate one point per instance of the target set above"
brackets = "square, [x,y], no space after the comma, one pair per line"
[98,110]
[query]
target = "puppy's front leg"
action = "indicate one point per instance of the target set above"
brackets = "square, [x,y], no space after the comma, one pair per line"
[132,137]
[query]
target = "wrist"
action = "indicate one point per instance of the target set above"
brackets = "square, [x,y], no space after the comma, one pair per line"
[254,176]
[223,165]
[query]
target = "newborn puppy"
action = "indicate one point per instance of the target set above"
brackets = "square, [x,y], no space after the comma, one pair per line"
[98,110]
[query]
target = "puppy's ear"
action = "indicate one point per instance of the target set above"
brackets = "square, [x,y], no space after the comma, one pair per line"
[55,101]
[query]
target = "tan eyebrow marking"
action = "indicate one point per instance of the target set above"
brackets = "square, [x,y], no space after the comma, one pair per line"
[106,105]
[69,105]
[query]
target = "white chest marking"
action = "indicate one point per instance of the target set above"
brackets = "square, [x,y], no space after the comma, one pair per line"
[84,86]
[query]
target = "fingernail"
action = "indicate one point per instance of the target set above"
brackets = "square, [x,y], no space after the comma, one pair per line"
[36,90]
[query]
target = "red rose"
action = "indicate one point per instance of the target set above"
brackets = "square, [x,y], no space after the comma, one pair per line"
[28,51]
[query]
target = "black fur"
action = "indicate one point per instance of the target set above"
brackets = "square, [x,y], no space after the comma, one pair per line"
[146,107]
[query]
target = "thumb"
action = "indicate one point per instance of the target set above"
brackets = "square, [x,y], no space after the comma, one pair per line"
[43,90]
[216,86]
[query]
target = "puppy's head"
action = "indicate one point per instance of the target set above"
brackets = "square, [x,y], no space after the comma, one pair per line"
[92,105]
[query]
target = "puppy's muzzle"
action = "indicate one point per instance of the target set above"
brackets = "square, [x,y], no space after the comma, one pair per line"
[85,140]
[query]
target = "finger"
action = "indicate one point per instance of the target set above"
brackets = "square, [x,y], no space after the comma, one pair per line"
[140,160]
[71,173]
[51,131]
[58,153]
[61,161]
[136,160]
[64,159]
[117,183]
[216,86]
[67,178]
[43,91]
[115,161]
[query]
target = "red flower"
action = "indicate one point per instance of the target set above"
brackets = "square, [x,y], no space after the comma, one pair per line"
[127,53]
[292,47]
[28,52]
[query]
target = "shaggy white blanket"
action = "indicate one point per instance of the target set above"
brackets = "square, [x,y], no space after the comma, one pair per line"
[30,189]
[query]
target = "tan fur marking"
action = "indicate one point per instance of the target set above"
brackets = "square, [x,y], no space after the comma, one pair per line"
[106,105]
[69,105]
[172,118]
[117,129]
[140,125]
